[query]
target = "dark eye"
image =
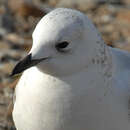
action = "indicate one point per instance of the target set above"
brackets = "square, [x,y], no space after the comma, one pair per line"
[61,46]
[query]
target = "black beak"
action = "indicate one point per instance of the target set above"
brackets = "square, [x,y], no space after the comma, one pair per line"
[24,64]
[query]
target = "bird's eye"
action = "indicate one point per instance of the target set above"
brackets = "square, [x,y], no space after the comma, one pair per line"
[62,46]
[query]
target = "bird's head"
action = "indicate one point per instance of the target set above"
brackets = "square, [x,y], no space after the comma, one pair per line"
[63,43]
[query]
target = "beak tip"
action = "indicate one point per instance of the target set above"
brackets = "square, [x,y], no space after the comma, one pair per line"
[24,64]
[21,66]
[12,73]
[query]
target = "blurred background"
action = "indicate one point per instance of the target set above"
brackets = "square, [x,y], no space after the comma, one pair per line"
[18,19]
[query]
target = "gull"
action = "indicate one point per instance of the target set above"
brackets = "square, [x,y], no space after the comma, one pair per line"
[72,80]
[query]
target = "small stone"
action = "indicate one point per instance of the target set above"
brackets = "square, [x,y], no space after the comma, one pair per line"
[53,2]
[6,68]
[123,45]
[126,2]
[7,22]
[13,37]
[18,41]
[25,8]
[2,9]
[78,4]
[123,16]
[4,45]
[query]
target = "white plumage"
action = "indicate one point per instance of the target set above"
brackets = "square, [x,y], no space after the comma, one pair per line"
[83,85]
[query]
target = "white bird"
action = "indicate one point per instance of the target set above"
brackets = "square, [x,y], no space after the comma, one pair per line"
[72,80]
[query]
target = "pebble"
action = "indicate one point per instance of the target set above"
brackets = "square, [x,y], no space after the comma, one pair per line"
[6,23]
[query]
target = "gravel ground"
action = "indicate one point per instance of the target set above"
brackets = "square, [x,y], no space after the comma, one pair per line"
[18,19]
